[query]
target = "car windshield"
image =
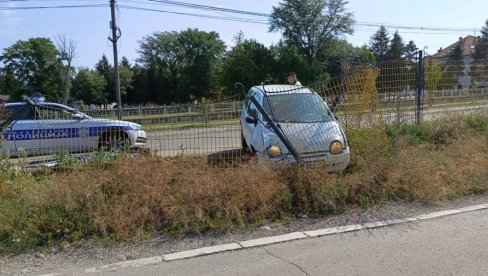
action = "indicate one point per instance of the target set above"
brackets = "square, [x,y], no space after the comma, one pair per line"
[297,108]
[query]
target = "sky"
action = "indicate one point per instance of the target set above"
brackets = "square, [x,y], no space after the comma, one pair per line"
[429,23]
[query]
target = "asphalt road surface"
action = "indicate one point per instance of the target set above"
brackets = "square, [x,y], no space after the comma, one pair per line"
[197,141]
[452,245]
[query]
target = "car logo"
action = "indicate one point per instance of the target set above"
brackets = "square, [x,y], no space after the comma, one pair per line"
[83,132]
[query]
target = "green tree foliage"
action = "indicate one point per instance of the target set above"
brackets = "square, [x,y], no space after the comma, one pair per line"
[67,52]
[32,66]
[481,47]
[163,55]
[178,66]
[411,51]
[311,25]
[105,69]
[380,44]
[89,86]
[432,77]
[453,68]
[339,52]
[288,58]
[203,51]
[397,47]
[479,68]
[249,63]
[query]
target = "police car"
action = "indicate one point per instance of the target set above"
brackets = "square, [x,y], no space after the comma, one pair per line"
[37,127]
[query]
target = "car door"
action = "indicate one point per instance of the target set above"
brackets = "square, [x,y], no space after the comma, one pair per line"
[251,110]
[57,129]
[19,138]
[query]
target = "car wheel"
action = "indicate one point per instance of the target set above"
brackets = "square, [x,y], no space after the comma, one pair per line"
[114,140]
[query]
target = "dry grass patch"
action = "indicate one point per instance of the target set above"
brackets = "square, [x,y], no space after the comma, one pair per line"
[136,198]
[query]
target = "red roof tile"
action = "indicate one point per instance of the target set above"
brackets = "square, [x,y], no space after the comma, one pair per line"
[467,46]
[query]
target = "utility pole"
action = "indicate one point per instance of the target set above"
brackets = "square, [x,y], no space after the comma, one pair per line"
[114,39]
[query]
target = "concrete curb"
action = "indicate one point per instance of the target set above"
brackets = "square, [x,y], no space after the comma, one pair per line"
[275,239]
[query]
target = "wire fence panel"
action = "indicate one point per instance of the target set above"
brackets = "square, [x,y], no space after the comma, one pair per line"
[309,119]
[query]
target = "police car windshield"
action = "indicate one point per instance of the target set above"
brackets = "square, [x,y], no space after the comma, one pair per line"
[297,108]
[63,108]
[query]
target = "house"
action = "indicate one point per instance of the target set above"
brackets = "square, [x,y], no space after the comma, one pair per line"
[468,46]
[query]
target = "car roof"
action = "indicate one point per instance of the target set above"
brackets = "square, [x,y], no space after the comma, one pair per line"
[283,89]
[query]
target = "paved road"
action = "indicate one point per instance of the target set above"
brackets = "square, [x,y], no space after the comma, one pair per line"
[452,245]
[214,139]
[195,140]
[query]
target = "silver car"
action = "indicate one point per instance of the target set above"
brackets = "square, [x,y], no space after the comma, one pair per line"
[303,117]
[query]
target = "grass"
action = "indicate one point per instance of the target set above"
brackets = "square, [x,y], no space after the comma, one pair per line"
[136,198]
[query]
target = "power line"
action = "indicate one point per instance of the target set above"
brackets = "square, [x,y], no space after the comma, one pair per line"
[262,17]
[53,7]
[268,16]
[196,15]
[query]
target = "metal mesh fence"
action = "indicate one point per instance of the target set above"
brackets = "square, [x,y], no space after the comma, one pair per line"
[296,124]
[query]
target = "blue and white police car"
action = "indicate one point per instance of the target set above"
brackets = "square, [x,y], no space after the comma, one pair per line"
[37,127]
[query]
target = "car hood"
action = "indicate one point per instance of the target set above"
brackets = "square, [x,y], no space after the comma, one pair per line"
[312,137]
[109,122]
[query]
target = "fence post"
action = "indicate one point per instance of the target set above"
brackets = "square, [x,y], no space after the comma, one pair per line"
[420,86]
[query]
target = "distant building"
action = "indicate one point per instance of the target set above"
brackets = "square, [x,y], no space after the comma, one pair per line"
[468,46]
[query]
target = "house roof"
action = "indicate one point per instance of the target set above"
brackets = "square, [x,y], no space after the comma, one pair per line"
[467,44]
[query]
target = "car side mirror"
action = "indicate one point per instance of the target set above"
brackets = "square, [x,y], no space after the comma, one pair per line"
[251,120]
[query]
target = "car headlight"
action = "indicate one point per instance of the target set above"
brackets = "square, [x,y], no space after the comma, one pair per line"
[273,151]
[336,147]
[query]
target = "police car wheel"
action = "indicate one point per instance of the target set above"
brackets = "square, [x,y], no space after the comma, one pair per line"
[114,140]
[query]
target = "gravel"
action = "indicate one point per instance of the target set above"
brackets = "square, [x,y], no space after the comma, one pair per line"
[93,254]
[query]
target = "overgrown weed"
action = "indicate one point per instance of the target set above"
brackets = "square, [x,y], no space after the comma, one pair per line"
[134,198]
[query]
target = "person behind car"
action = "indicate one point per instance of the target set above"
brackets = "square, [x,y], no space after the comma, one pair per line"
[292,79]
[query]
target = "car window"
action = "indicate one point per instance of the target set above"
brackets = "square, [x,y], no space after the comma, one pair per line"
[251,107]
[18,111]
[297,108]
[52,113]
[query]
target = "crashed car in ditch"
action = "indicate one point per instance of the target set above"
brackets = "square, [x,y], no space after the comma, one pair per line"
[37,127]
[304,120]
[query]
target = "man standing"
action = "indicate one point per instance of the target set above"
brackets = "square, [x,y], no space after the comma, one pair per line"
[292,79]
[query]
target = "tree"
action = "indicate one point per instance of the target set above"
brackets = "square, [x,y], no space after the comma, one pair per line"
[433,75]
[288,58]
[238,38]
[32,66]
[309,25]
[105,69]
[479,67]
[89,86]
[180,65]
[67,52]
[481,47]
[202,53]
[453,68]
[249,63]
[397,47]
[125,62]
[340,52]
[411,51]
[162,56]
[379,44]
[126,76]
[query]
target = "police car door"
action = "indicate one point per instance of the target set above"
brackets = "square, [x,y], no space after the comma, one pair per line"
[20,134]
[59,131]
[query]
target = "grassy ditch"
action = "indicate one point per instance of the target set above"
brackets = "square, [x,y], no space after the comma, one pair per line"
[136,198]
